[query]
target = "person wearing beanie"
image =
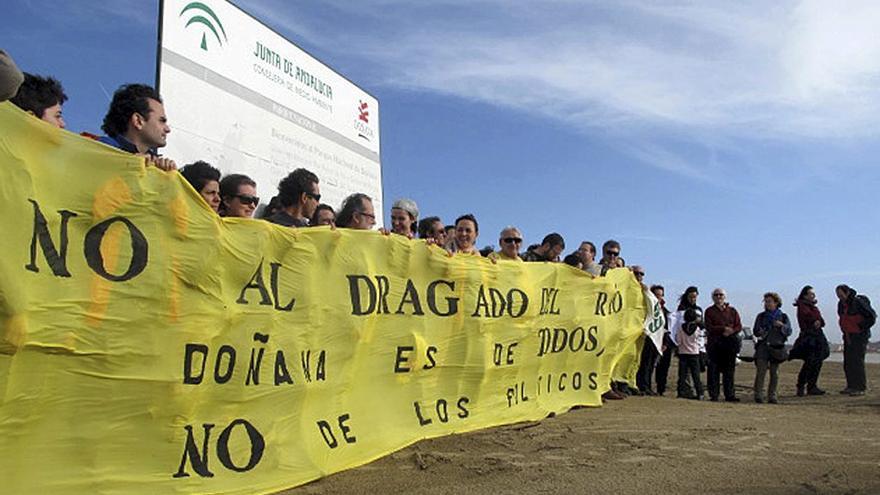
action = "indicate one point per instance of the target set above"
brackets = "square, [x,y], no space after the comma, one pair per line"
[404,217]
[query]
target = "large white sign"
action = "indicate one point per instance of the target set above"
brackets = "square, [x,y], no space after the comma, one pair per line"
[245,99]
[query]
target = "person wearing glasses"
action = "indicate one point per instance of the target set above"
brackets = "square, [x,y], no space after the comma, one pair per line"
[723,327]
[510,239]
[549,250]
[299,196]
[238,196]
[404,217]
[357,213]
[205,179]
[611,256]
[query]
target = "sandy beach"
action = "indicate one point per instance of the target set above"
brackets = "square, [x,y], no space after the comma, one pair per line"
[826,445]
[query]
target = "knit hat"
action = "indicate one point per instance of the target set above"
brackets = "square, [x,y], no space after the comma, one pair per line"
[408,206]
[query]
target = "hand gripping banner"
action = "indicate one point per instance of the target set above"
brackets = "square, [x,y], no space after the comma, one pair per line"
[149,346]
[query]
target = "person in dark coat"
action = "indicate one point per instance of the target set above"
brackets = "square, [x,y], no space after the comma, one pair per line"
[811,344]
[772,328]
[856,319]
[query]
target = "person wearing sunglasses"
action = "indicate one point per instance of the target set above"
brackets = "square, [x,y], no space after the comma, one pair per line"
[510,239]
[551,247]
[611,256]
[299,196]
[723,327]
[357,213]
[238,196]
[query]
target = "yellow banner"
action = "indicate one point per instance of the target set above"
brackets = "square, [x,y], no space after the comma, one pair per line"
[147,346]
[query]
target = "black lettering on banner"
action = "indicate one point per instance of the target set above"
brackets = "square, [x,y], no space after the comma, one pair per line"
[346,429]
[253,375]
[258,445]
[320,366]
[411,297]
[523,302]
[601,300]
[422,420]
[191,350]
[354,287]
[592,339]
[95,260]
[517,394]
[56,258]
[592,378]
[327,431]
[229,351]
[451,302]
[401,360]
[576,380]
[327,434]
[548,301]
[256,282]
[273,281]
[496,304]
[498,355]
[281,373]
[198,460]
[430,355]
[441,409]
[606,305]
[384,289]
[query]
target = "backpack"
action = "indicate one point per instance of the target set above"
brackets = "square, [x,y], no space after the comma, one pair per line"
[866,310]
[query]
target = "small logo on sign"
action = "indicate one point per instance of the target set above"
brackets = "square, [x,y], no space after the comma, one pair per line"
[362,123]
[364,112]
[201,14]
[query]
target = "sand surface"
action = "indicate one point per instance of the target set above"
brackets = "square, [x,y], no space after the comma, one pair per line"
[653,445]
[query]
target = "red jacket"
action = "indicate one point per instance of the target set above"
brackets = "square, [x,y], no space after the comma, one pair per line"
[716,319]
[807,315]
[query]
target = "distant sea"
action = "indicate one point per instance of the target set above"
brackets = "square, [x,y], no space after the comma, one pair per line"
[871,357]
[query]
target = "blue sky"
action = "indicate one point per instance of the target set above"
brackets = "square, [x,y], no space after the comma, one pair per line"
[728,144]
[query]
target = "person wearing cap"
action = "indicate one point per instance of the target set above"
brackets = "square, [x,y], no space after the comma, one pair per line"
[510,239]
[404,217]
[10,77]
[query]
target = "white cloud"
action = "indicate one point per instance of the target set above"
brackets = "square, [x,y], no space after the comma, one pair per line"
[704,73]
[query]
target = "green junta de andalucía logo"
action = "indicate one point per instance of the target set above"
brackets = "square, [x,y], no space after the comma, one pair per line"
[202,14]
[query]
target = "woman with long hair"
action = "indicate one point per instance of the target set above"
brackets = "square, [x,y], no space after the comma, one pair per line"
[811,344]
[688,341]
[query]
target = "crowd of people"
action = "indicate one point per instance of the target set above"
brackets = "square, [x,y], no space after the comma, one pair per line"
[703,341]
